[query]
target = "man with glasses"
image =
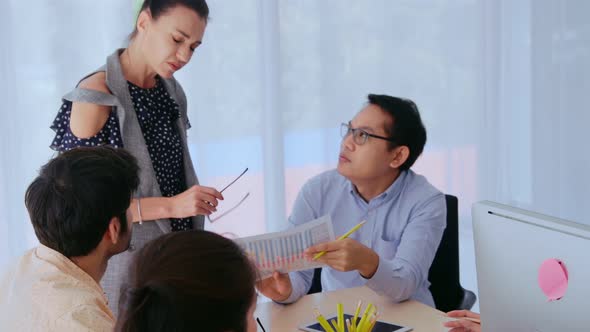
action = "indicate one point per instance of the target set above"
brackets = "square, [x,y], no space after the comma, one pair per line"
[406,216]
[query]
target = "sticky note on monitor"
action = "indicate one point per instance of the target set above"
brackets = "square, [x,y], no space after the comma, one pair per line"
[553,279]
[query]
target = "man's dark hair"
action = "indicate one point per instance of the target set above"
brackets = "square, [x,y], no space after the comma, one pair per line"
[406,126]
[76,195]
[188,281]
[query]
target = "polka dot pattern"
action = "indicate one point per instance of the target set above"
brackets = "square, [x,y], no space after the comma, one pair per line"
[157,114]
[65,140]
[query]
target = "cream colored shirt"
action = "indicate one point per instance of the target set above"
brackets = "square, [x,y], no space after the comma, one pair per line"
[45,291]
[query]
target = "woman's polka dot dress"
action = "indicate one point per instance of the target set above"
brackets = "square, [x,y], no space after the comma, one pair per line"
[157,113]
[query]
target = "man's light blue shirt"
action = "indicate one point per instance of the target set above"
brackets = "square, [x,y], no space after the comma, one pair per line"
[404,227]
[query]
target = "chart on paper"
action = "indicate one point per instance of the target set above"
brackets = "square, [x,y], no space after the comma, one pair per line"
[283,251]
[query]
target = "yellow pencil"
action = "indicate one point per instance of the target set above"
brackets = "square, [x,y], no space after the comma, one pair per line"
[335,324]
[365,318]
[340,311]
[372,312]
[347,234]
[356,314]
[323,322]
[348,326]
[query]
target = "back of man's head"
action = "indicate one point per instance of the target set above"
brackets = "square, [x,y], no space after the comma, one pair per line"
[77,193]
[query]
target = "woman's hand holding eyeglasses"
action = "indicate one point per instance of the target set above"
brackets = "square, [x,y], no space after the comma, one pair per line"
[197,200]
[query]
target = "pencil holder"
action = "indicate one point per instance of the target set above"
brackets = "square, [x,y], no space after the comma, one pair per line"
[356,323]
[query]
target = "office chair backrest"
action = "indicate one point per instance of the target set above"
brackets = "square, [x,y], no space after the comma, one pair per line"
[444,272]
[316,282]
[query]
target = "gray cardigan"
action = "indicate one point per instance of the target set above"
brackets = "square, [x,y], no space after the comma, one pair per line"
[134,142]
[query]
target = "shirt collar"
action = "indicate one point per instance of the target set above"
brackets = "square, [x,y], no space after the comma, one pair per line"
[57,259]
[390,193]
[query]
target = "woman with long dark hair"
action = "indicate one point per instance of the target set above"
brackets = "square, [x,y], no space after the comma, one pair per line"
[189,281]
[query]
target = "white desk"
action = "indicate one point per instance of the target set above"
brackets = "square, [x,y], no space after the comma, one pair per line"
[277,317]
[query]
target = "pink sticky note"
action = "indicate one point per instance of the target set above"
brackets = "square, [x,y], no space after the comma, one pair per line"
[553,279]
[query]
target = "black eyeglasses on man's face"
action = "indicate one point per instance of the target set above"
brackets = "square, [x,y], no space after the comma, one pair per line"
[359,136]
[235,206]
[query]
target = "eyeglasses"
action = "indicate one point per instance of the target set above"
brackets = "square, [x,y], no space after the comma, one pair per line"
[259,323]
[236,205]
[359,136]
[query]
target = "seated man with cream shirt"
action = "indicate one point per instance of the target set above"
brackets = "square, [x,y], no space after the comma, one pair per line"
[406,216]
[78,207]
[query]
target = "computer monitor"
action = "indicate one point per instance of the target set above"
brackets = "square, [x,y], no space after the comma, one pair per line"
[511,245]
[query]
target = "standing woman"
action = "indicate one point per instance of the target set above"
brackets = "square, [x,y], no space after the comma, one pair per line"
[134,102]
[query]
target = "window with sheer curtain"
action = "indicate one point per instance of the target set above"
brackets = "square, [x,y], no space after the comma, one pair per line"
[501,85]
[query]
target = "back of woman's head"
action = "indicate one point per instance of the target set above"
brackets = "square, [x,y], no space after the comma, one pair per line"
[158,8]
[188,281]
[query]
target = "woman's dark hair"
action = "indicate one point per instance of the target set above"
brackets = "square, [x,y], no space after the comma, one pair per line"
[158,7]
[188,281]
[77,193]
[406,126]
